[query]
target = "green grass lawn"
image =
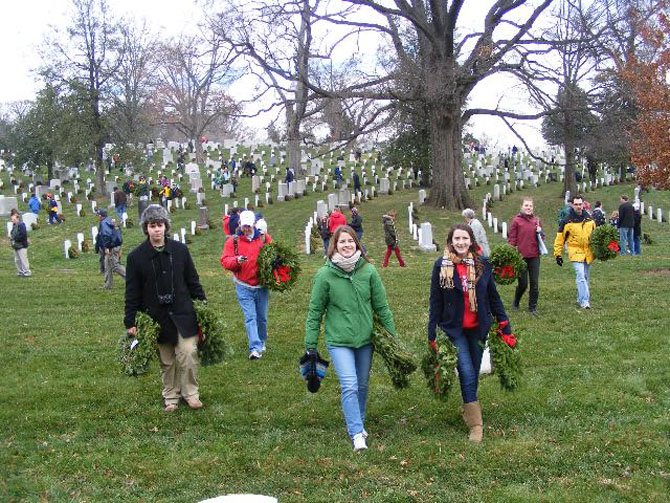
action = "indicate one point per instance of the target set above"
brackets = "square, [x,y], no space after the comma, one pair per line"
[591,422]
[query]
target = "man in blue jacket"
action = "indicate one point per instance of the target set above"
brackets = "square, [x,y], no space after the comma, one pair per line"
[109,243]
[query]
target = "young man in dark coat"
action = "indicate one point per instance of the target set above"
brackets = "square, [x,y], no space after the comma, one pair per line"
[162,281]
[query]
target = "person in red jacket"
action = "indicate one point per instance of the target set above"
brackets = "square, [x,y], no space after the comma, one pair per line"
[523,235]
[336,219]
[240,255]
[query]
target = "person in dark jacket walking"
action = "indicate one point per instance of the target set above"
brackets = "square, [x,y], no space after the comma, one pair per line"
[391,238]
[19,240]
[356,223]
[463,298]
[357,181]
[324,232]
[163,282]
[626,226]
[637,230]
[108,242]
[525,230]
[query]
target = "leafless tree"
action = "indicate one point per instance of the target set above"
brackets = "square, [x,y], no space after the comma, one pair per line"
[191,86]
[85,59]
[439,63]
[275,38]
[130,113]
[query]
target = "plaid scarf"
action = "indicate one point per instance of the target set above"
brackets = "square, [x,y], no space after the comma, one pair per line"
[449,261]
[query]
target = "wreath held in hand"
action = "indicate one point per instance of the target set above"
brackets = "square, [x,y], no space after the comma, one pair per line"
[278,267]
[507,264]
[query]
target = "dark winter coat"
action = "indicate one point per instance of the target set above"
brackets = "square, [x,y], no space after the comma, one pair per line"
[637,229]
[626,215]
[109,235]
[150,273]
[356,222]
[446,305]
[390,234]
[19,236]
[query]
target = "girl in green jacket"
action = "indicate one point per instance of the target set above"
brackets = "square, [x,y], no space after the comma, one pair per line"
[347,289]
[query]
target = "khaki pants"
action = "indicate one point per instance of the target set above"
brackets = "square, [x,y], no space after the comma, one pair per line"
[21,261]
[113,265]
[179,369]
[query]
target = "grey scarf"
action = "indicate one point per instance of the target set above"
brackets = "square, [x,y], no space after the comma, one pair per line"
[346,264]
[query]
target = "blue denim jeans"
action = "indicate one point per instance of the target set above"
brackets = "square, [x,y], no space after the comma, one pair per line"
[626,238]
[582,278]
[120,210]
[637,246]
[470,350]
[254,304]
[352,367]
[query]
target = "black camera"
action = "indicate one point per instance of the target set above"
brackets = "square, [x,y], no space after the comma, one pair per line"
[165,299]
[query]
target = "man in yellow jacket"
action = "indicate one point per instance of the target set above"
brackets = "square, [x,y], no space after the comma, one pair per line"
[575,231]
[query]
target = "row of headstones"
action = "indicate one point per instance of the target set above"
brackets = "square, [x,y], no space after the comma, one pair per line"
[473,179]
[342,200]
[422,233]
[648,210]
[180,236]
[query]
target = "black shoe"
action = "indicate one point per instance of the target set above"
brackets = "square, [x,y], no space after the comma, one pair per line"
[533,312]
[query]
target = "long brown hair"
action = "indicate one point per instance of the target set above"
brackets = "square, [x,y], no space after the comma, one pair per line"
[474,247]
[332,245]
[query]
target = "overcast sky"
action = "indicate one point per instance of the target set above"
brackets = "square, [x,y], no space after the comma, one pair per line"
[26,22]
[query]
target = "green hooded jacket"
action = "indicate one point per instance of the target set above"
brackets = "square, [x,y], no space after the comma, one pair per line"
[348,301]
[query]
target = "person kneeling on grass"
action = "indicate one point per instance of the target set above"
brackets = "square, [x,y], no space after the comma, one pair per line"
[162,281]
[347,290]
[463,296]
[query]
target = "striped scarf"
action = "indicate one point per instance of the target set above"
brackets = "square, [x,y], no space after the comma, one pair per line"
[449,261]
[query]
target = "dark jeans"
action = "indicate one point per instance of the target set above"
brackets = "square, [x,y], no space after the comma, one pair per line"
[532,272]
[470,350]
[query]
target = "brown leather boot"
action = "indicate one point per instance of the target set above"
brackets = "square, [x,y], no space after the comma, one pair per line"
[472,415]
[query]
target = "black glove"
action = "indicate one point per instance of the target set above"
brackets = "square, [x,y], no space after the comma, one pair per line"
[559,261]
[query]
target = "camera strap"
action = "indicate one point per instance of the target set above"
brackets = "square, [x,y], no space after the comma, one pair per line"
[153,265]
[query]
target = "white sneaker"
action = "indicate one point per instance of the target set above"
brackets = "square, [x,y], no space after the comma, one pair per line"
[365,434]
[255,355]
[359,442]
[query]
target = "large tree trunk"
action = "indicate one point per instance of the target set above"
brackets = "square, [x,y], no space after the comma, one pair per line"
[101,186]
[293,141]
[448,183]
[569,182]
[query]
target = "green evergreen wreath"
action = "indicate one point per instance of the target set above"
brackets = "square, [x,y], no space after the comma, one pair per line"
[399,362]
[507,264]
[212,346]
[278,267]
[135,353]
[605,242]
[439,367]
[505,358]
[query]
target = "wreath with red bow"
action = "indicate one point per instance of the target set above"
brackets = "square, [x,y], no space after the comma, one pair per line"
[605,242]
[507,264]
[505,357]
[278,267]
